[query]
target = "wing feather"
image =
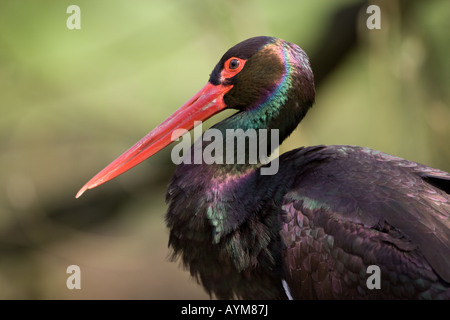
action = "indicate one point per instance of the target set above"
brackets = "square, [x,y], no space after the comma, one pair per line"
[350,207]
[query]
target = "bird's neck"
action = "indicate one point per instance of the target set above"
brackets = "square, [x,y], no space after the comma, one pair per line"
[218,189]
[248,138]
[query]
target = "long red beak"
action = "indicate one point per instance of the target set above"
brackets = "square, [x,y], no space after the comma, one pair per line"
[206,103]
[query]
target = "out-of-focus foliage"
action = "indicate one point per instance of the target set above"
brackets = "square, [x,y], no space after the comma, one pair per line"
[73,100]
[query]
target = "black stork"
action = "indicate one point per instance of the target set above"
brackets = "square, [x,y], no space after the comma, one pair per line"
[316,228]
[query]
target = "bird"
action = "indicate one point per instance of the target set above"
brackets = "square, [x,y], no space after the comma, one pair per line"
[334,221]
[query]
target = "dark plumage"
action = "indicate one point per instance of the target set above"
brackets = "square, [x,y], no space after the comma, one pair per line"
[330,212]
[311,230]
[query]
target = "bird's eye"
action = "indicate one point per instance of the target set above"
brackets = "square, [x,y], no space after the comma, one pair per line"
[232,67]
[234,64]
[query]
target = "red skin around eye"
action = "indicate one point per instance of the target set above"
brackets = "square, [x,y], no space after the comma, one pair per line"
[229,73]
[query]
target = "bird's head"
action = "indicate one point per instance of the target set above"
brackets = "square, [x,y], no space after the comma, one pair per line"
[267,78]
[261,69]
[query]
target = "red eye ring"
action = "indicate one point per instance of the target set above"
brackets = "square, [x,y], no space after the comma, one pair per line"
[232,67]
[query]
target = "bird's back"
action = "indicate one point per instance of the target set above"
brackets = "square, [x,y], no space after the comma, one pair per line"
[349,208]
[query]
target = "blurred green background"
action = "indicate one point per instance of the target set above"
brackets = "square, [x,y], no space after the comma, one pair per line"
[73,100]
